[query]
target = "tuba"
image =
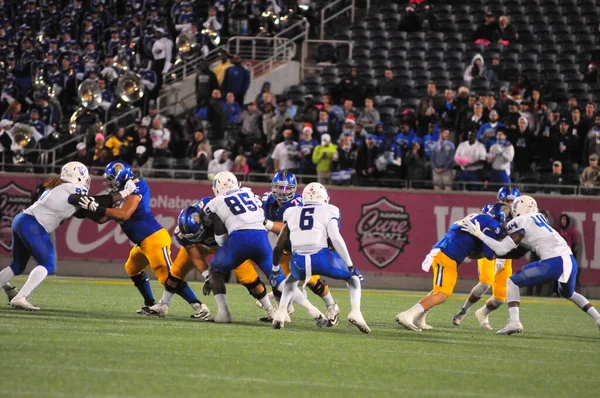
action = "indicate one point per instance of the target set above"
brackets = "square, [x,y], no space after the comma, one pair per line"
[186,42]
[22,134]
[91,126]
[89,94]
[130,87]
[121,62]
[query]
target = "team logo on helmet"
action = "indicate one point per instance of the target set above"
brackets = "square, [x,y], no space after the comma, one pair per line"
[383,231]
[118,167]
[13,200]
[196,218]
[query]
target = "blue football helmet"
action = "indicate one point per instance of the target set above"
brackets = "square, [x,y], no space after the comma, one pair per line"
[117,173]
[487,208]
[508,193]
[284,186]
[500,212]
[201,204]
[189,222]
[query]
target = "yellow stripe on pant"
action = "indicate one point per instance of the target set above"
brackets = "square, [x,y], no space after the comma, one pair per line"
[495,273]
[445,274]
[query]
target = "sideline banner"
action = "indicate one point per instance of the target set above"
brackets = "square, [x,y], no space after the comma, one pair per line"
[387,231]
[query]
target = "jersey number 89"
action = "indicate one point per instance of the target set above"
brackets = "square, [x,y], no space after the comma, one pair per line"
[238,207]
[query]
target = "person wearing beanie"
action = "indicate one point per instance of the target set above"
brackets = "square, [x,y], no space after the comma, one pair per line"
[322,158]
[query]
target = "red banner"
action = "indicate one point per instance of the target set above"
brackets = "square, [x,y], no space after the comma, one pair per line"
[388,231]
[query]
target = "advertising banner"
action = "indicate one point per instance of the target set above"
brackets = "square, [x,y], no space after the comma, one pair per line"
[387,231]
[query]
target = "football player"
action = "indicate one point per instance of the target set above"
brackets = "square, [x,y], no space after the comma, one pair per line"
[31,231]
[283,196]
[152,241]
[239,231]
[445,257]
[308,229]
[557,263]
[195,235]
[492,273]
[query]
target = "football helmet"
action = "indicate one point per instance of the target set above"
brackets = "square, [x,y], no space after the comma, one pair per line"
[201,204]
[508,193]
[524,205]
[315,193]
[76,173]
[116,174]
[224,182]
[284,186]
[189,221]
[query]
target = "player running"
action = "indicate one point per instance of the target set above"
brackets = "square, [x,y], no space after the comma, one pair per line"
[492,273]
[195,235]
[283,196]
[152,241]
[31,231]
[308,228]
[557,263]
[239,231]
[445,257]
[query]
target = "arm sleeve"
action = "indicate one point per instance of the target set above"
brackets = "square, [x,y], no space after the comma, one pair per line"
[499,247]
[337,241]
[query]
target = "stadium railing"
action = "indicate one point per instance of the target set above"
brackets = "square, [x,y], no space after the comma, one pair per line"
[270,51]
[336,9]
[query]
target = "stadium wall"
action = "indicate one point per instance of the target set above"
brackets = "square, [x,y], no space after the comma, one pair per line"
[388,232]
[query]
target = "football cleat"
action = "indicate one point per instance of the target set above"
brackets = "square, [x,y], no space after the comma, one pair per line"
[511,327]
[321,321]
[279,320]
[159,309]
[222,317]
[333,315]
[483,319]
[270,315]
[598,323]
[459,317]
[357,320]
[403,319]
[11,292]
[201,312]
[21,303]
[420,322]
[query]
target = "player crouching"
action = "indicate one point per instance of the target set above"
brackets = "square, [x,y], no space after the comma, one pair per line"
[308,228]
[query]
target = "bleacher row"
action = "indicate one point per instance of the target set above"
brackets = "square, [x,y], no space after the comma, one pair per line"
[556,39]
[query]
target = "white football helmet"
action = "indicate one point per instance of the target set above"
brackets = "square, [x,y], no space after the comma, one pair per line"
[76,173]
[224,182]
[524,205]
[315,193]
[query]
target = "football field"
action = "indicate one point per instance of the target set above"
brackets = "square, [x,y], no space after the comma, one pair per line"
[88,341]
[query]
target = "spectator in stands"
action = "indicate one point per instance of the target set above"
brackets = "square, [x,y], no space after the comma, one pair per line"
[487,132]
[206,83]
[266,121]
[82,154]
[448,112]
[101,155]
[369,116]
[442,160]
[142,139]
[358,133]
[388,86]
[152,114]
[215,115]
[564,146]
[367,154]
[290,108]
[232,109]
[524,143]
[500,156]
[324,125]
[471,156]
[237,80]
[506,33]
[429,19]
[33,120]
[13,112]
[199,151]
[432,95]
[222,67]
[161,137]
[265,89]
[405,137]
[476,71]
[591,144]
[257,157]
[162,51]
[240,165]
[307,146]
[591,75]
[119,144]
[345,157]
[525,111]
[522,89]
[557,177]
[285,154]
[322,157]
[410,21]
[488,32]
[425,115]
[474,120]
[415,164]
[7,142]
[590,177]
[288,124]
[221,162]
[249,120]
[590,116]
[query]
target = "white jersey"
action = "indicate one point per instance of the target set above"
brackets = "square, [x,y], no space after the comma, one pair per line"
[53,208]
[539,237]
[238,210]
[308,226]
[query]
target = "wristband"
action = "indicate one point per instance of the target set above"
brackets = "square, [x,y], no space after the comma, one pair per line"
[269,225]
[275,268]
[205,274]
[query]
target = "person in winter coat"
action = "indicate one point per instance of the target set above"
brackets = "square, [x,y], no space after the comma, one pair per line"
[232,109]
[369,116]
[322,158]
[567,230]
[523,141]
[475,71]
[506,32]
[500,156]
[221,162]
[410,22]
[206,82]
[237,80]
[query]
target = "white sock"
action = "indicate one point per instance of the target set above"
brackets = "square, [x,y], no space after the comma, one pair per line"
[512,291]
[301,299]
[494,302]
[221,300]
[266,303]
[355,292]
[6,275]
[328,299]
[513,314]
[270,295]
[478,291]
[37,275]
[416,310]
[581,302]
[593,312]
[167,297]
[423,315]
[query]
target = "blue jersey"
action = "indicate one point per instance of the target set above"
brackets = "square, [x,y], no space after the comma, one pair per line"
[274,210]
[458,244]
[142,223]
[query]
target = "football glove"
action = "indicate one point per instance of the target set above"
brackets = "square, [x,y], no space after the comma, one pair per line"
[206,289]
[89,203]
[354,271]
[472,228]
[129,189]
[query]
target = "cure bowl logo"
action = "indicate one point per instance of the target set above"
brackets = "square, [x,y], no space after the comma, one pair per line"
[382,231]
[13,200]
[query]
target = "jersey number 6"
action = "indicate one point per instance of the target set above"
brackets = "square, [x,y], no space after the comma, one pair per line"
[306,218]
[236,207]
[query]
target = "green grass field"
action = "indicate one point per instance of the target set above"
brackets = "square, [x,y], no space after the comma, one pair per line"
[88,341]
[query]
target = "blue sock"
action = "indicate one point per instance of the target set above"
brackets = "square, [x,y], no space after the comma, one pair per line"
[188,295]
[142,282]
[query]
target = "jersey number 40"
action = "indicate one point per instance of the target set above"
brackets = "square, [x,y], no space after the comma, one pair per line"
[240,203]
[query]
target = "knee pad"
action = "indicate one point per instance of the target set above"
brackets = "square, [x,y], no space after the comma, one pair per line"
[254,284]
[319,287]
[174,285]
[139,279]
